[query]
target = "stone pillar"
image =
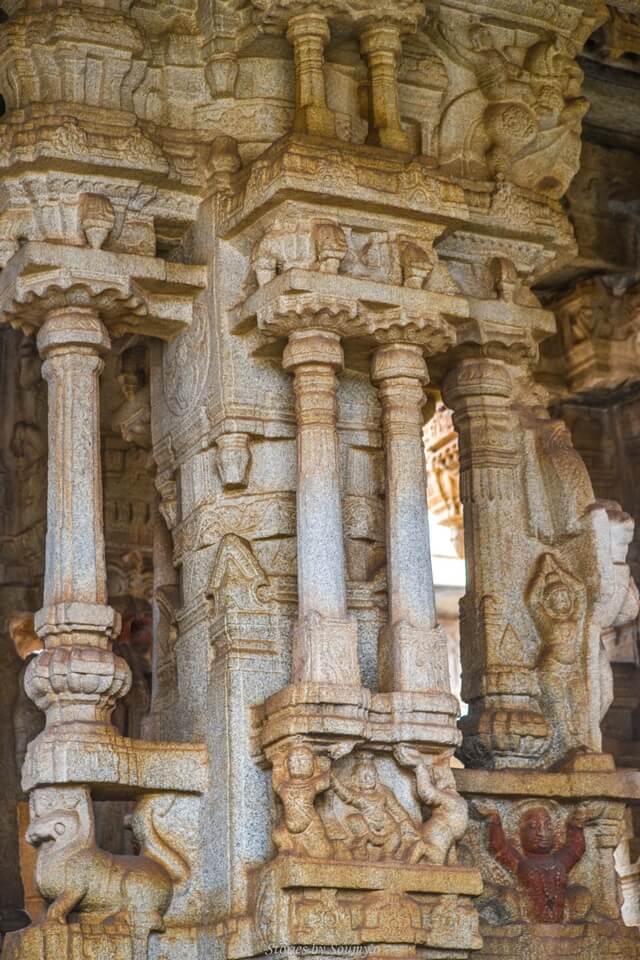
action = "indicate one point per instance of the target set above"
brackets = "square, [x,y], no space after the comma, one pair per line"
[380,43]
[325,646]
[309,33]
[498,684]
[77,678]
[413,653]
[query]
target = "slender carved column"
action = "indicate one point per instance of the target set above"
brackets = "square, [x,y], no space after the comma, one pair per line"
[325,648]
[77,678]
[413,653]
[498,681]
[381,44]
[309,33]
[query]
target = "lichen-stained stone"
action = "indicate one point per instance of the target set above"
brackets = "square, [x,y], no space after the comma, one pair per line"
[245,243]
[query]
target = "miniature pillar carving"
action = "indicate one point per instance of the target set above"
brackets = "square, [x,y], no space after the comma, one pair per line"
[76,678]
[413,654]
[325,646]
[309,33]
[380,43]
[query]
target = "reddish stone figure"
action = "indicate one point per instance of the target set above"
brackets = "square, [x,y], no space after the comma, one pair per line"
[542,871]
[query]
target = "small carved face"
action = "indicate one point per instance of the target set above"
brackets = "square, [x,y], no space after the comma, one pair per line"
[558,600]
[366,775]
[480,38]
[536,831]
[301,763]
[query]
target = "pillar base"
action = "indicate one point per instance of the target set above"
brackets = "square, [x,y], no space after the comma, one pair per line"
[326,650]
[316,121]
[97,941]
[560,941]
[392,139]
[413,659]
[332,903]
[505,736]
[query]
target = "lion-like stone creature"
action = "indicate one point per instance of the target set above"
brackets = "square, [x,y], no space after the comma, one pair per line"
[79,877]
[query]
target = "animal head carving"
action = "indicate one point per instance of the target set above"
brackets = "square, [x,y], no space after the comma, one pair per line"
[61,816]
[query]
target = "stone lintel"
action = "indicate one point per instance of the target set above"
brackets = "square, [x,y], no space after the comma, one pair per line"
[332,712]
[114,766]
[144,295]
[353,307]
[622,785]
[396,877]
[370,178]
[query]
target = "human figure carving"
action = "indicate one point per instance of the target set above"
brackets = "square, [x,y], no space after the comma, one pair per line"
[381,829]
[298,777]
[437,789]
[79,877]
[540,866]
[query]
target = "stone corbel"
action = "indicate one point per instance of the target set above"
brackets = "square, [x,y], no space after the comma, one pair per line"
[135,294]
[597,334]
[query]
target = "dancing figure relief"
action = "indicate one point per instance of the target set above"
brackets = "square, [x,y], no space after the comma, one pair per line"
[381,828]
[298,777]
[540,864]
[360,818]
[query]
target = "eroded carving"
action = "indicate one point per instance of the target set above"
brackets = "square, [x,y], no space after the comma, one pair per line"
[78,877]
[541,864]
[298,777]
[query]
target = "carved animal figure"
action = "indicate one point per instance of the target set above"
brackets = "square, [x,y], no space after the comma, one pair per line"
[449,812]
[79,877]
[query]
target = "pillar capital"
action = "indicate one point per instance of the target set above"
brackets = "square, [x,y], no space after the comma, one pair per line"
[380,37]
[308,25]
[313,347]
[73,326]
[399,360]
[476,376]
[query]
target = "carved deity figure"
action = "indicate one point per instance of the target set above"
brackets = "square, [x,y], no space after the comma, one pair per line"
[381,829]
[298,777]
[540,865]
[436,788]
[520,118]
[81,878]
